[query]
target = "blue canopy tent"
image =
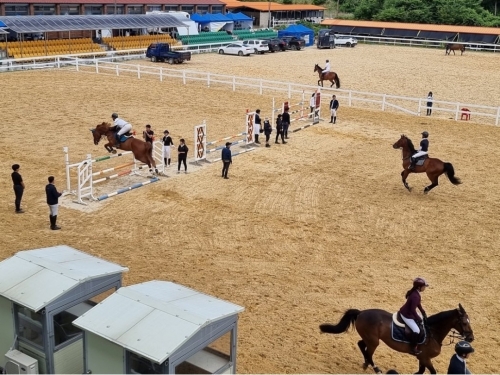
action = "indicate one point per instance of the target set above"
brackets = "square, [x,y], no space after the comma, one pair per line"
[241,21]
[299,31]
[213,22]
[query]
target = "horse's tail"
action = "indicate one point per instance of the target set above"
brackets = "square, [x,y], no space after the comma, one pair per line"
[337,80]
[450,173]
[345,322]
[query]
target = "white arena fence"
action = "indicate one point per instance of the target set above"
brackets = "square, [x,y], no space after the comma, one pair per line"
[385,102]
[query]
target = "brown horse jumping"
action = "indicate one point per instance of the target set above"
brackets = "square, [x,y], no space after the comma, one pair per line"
[454,47]
[432,166]
[143,151]
[374,325]
[330,76]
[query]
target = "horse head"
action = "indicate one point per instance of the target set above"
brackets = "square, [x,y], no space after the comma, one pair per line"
[317,68]
[401,142]
[99,131]
[462,325]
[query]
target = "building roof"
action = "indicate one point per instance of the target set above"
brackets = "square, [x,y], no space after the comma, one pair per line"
[30,24]
[140,317]
[414,26]
[119,3]
[35,278]
[264,6]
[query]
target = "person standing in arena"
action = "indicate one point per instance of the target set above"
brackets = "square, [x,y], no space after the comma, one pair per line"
[257,126]
[18,184]
[334,105]
[53,202]
[430,100]
[167,146]
[312,102]
[227,159]
[268,129]
[148,134]
[458,364]
[279,130]
[182,151]
[286,122]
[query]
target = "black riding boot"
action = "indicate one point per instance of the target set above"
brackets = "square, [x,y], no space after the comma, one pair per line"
[335,120]
[53,222]
[331,119]
[414,344]
[412,164]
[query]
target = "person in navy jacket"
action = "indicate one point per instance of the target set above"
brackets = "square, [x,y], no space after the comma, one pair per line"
[227,159]
[53,202]
[409,312]
[424,149]
[458,363]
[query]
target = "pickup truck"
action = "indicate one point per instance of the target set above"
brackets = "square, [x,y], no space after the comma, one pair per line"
[163,52]
[294,43]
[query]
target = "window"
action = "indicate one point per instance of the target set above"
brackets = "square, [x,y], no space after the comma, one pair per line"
[141,365]
[202,9]
[110,9]
[93,9]
[16,10]
[217,8]
[187,8]
[29,325]
[71,10]
[44,10]
[174,8]
[134,9]
[152,8]
[64,329]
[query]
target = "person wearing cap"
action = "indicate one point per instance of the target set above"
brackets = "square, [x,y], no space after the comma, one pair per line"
[430,99]
[409,313]
[257,126]
[18,184]
[423,150]
[268,129]
[285,118]
[121,125]
[327,69]
[182,151]
[334,105]
[458,364]
[227,159]
[148,134]
[167,146]
[279,129]
[312,102]
[53,202]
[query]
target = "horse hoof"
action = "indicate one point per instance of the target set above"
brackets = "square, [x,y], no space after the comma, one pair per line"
[113,151]
[365,366]
[426,191]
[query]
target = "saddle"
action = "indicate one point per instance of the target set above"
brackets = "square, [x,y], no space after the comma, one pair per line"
[421,160]
[402,333]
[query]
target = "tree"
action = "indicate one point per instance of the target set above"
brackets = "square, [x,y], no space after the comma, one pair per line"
[367,9]
[319,2]
[287,1]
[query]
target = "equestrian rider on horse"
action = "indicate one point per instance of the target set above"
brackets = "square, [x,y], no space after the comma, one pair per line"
[424,148]
[326,70]
[123,126]
[409,312]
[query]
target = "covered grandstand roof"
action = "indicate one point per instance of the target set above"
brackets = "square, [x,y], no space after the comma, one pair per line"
[30,24]
[264,6]
[414,26]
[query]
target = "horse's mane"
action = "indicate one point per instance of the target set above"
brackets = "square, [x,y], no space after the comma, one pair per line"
[439,317]
[410,145]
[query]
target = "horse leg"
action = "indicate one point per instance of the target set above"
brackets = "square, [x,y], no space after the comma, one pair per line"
[404,175]
[434,182]
[332,83]
[109,148]
[362,347]
[421,367]
[369,354]
[426,362]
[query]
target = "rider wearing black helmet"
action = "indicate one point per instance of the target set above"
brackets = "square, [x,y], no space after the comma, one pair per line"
[423,150]
[122,127]
[458,364]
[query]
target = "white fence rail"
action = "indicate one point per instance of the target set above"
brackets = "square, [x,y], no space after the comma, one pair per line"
[414,106]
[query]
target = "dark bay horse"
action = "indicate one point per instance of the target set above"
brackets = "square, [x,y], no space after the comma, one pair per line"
[143,151]
[330,76]
[432,166]
[454,47]
[374,325]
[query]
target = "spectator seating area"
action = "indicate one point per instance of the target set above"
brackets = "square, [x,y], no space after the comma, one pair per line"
[255,34]
[37,48]
[203,38]
[138,41]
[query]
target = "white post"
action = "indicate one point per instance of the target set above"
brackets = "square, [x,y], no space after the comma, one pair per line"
[161,74]
[76,64]
[208,79]
[184,77]
[58,60]
[97,66]
[139,71]
[234,83]
[419,106]
[350,98]
[456,112]
[498,117]
[383,102]
[66,162]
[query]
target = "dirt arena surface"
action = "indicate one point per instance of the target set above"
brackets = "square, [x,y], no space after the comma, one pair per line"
[300,232]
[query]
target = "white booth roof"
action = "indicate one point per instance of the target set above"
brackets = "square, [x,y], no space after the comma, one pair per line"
[155,318]
[35,278]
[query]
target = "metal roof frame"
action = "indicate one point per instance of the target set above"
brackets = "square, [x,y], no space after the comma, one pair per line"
[35,24]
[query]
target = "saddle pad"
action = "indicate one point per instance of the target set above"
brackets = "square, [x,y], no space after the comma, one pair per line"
[395,320]
[420,162]
[398,334]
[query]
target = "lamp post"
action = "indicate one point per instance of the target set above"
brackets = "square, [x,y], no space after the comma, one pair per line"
[269,14]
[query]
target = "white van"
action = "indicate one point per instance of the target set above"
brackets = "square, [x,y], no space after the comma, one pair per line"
[258,46]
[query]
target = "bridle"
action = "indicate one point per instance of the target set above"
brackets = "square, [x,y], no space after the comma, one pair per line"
[454,334]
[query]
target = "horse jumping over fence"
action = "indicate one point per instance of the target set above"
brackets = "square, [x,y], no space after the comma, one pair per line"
[330,76]
[143,151]
[374,325]
[432,166]
[454,47]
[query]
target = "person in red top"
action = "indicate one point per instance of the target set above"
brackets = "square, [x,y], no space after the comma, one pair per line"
[409,312]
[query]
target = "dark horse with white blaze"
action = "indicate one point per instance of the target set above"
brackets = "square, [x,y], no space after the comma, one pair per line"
[374,325]
[330,76]
[454,47]
[432,166]
[143,151]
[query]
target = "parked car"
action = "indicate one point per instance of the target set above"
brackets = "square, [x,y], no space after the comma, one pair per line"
[294,43]
[258,46]
[345,40]
[162,52]
[236,49]
[276,44]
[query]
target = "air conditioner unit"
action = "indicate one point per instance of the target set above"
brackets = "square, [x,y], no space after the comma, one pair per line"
[20,363]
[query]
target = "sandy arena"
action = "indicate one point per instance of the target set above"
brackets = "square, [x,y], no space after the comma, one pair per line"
[300,232]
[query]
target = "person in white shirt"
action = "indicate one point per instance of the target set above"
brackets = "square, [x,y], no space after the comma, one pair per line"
[121,125]
[327,68]
[312,102]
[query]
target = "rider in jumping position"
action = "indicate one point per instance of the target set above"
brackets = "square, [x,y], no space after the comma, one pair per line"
[326,70]
[409,312]
[424,148]
[122,125]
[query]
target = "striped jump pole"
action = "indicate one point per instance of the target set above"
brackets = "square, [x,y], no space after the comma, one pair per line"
[112,169]
[124,190]
[107,157]
[226,138]
[221,147]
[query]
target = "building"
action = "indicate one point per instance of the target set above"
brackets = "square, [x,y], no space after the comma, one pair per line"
[99,7]
[270,14]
